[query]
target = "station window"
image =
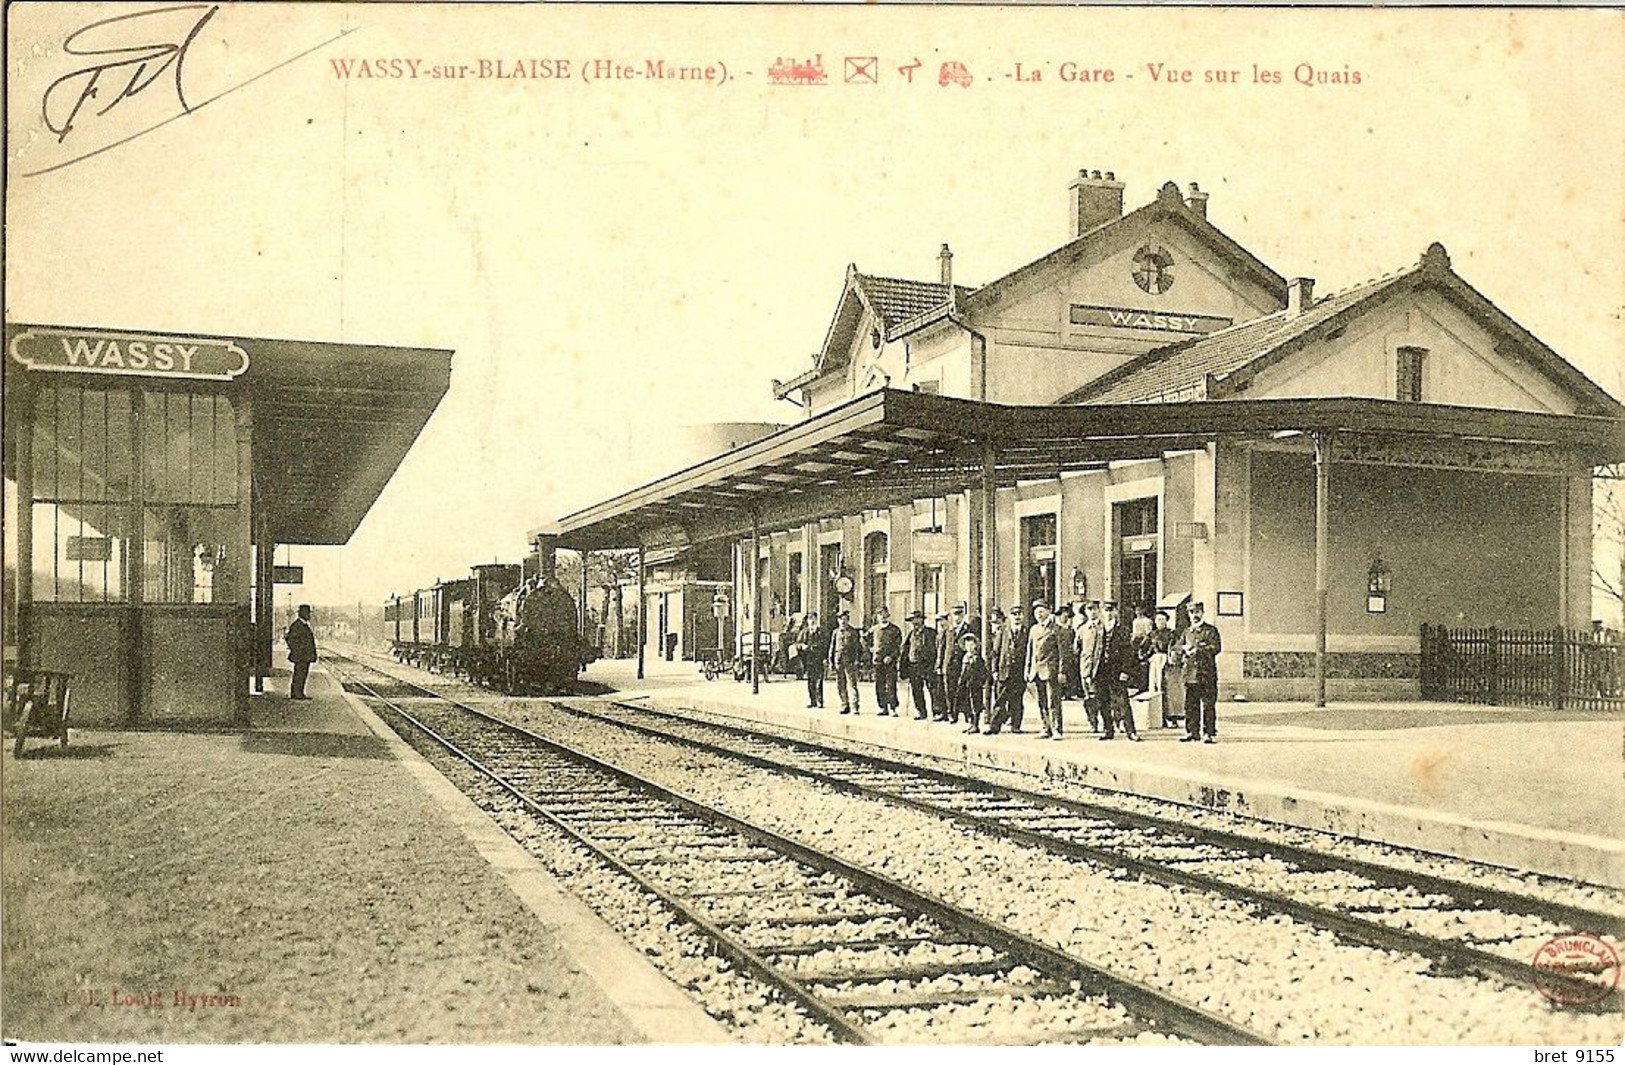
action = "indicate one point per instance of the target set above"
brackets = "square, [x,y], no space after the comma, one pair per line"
[82,443]
[1408,374]
[1038,546]
[793,588]
[187,556]
[189,477]
[88,446]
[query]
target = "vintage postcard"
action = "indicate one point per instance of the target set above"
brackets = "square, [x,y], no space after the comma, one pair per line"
[921,525]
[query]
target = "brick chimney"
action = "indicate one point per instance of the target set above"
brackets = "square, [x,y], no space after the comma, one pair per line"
[945,261]
[1300,295]
[1095,200]
[1197,201]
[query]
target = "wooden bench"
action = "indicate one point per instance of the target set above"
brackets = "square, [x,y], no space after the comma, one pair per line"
[36,704]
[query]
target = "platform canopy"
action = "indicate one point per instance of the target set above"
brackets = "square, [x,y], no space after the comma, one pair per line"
[890,447]
[332,422]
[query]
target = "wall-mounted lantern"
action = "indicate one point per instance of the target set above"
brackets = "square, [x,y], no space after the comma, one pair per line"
[1080,583]
[1378,583]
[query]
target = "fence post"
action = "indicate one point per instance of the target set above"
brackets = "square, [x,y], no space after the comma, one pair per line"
[1495,666]
[1560,673]
[1424,679]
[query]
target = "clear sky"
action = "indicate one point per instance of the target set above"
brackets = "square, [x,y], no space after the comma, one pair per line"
[611,258]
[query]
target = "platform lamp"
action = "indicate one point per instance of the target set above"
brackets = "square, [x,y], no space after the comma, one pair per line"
[1378,583]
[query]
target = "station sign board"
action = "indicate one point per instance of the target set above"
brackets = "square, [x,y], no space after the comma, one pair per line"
[287,575]
[1158,321]
[97,351]
[934,548]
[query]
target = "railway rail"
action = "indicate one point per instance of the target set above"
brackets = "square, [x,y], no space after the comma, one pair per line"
[862,953]
[1462,928]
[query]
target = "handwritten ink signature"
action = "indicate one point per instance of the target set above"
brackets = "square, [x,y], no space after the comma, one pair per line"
[145,63]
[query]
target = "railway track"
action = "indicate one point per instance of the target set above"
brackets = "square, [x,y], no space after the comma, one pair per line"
[865,955]
[1461,928]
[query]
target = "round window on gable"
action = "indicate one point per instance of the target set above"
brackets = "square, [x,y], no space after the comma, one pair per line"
[1153,269]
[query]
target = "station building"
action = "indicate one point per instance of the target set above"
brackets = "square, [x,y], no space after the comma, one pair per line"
[1150,413]
[155,475]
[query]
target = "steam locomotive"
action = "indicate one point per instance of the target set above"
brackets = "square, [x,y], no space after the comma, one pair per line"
[497,627]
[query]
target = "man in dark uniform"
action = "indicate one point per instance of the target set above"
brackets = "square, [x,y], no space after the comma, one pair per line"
[971,682]
[952,650]
[1008,667]
[885,646]
[1116,670]
[919,660]
[1198,651]
[845,656]
[942,708]
[813,657]
[301,640]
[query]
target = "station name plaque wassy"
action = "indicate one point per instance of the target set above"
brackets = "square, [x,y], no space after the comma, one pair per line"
[1161,321]
[130,354]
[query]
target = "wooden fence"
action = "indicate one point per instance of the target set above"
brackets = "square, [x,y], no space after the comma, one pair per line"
[1558,668]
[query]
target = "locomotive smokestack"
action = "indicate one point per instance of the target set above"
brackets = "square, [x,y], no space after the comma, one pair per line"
[543,546]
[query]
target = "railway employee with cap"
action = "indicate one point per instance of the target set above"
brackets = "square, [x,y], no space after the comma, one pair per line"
[845,656]
[1198,651]
[953,650]
[814,654]
[1116,670]
[919,660]
[940,681]
[1008,667]
[1091,642]
[885,648]
[971,683]
[301,641]
[1043,667]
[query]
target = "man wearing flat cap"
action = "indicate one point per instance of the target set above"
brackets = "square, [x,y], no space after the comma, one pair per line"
[845,656]
[1043,668]
[951,654]
[885,647]
[918,661]
[1008,667]
[941,709]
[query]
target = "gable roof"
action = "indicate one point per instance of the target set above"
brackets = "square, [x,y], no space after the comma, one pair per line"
[1219,364]
[890,299]
[1168,206]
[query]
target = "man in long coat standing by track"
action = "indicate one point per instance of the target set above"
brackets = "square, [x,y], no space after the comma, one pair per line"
[301,641]
[1198,651]
[1043,668]
[919,661]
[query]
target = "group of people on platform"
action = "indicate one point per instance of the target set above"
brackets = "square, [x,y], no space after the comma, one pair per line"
[1088,654]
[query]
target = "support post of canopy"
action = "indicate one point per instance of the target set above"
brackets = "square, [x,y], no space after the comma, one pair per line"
[1323,476]
[643,614]
[585,557]
[755,571]
[988,581]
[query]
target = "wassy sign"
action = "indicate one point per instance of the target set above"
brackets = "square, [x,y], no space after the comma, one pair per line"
[1162,321]
[135,354]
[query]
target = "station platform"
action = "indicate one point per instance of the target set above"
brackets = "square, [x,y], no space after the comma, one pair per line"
[309,879]
[1535,790]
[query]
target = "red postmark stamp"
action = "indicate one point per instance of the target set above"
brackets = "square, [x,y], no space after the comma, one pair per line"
[1578,969]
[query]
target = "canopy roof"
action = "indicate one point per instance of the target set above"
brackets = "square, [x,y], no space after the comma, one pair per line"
[890,447]
[332,422]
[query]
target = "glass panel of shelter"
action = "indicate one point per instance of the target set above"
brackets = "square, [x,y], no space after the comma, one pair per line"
[84,448]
